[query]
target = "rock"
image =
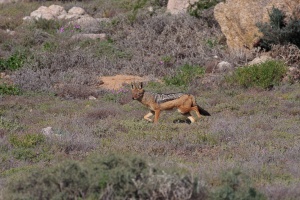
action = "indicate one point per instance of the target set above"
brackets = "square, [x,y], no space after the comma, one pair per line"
[260,59]
[47,131]
[179,6]
[76,16]
[238,19]
[224,66]
[151,9]
[87,24]
[70,16]
[92,98]
[101,36]
[57,10]
[27,18]
[76,11]
[10,32]
[216,66]
[42,12]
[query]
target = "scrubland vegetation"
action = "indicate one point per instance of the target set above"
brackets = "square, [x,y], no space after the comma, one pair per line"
[103,149]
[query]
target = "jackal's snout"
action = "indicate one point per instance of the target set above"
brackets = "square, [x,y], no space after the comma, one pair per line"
[137,95]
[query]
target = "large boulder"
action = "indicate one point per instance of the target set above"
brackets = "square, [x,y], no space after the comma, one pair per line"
[42,12]
[238,19]
[76,17]
[56,12]
[179,6]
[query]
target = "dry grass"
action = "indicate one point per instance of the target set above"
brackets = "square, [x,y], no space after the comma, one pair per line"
[254,130]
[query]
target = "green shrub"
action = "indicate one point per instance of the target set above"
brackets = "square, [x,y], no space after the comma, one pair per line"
[236,186]
[65,181]
[109,50]
[280,30]
[9,125]
[112,177]
[26,140]
[24,154]
[9,90]
[14,62]
[28,147]
[265,75]
[184,75]
[136,6]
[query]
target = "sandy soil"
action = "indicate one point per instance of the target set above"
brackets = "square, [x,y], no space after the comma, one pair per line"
[116,82]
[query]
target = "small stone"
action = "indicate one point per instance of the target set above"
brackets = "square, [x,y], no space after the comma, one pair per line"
[92,98]
[47,131]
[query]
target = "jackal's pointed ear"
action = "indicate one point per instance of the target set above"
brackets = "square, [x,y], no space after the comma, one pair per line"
[132,85]
[141,85]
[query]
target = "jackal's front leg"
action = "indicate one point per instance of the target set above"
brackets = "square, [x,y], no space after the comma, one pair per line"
[157,112]
[146,117]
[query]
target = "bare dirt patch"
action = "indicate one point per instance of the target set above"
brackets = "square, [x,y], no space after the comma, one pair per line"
[116,82]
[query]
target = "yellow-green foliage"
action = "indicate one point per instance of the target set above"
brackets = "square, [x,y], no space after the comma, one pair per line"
[26,140]
[185,74]
[235,186]
[264,75]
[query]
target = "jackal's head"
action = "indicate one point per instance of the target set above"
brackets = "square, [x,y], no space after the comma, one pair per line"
[137,90]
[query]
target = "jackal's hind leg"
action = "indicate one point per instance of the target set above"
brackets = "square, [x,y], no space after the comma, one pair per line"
[196,109]
[190,118]
[146,117]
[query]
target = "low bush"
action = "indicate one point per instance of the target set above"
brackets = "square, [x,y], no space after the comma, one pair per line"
[116,96]
[236,186]
[9,126]
[112,177]
[184,75]
[28,147]
[14,62]
[26,140]
[265,75]
[62,182]
[70,91]
[9,90]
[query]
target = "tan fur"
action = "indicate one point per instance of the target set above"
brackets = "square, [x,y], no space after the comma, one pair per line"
[184,104]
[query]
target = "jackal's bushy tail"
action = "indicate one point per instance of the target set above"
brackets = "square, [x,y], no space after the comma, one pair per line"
[203,112]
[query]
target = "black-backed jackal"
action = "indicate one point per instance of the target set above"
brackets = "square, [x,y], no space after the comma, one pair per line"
[184,103]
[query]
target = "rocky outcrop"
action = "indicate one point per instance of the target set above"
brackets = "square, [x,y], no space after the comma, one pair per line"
[260,59]
[51,12]
[76,16]
[238,19]
[178,6]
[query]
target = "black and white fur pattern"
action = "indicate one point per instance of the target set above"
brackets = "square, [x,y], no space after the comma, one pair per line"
[161,98]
